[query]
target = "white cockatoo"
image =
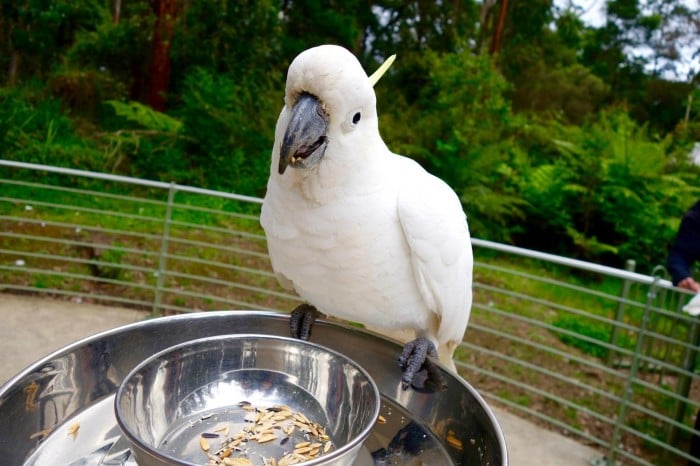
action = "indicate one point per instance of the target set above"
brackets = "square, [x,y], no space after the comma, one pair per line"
[358,232]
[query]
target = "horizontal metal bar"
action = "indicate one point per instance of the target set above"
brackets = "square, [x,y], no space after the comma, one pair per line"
[77,276]
[176,240]
[81,227]
[547,303]
[73,243]
[89,210]
[554,421]
[573,263]
[549,281]
[538,391]
[542,370]
[227,231]
[208,210]
[85,192]
[227,266]
[192,294]
[128,180]
[545,348]
[554,329]
[73,260]
[241,286]
[188,310]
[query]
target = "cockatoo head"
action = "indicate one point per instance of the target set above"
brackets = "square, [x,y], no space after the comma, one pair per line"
[330,107]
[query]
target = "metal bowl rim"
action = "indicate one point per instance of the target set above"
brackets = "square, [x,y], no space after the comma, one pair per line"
[353,443]
[13,383]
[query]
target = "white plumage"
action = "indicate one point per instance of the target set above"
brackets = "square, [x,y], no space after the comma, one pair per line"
[359,232]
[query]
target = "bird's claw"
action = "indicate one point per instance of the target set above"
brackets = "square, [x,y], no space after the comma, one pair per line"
[417,362]
[301,321]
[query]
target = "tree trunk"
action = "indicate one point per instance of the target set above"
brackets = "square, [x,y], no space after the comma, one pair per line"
[116,11]
[162,40]
[688,106]
[485,24]
[498,30]
[13,69]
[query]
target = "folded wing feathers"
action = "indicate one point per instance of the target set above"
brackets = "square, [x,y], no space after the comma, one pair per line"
[437,234]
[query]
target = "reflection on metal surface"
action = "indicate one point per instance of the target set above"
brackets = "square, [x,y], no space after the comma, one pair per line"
[169,401]
[74,386]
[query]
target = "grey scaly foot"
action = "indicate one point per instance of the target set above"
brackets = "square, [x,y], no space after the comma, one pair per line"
[301,321]
[417,362]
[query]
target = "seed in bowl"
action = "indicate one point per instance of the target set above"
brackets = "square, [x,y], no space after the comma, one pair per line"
[268,426]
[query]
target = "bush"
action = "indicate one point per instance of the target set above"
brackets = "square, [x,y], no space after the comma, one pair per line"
[37,131]
[606,195]
[229,125]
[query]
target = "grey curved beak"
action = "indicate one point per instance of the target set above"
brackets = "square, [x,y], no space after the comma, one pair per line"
[305,139]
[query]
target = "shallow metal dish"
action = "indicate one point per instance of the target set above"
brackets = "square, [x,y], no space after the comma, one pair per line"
[76,386]
[177,400]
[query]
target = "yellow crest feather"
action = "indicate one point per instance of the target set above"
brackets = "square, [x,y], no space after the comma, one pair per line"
[377,75]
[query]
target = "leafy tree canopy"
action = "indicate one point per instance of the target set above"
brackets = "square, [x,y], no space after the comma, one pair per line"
[555,134]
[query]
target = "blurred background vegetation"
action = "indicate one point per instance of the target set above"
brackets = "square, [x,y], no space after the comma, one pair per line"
[557,135]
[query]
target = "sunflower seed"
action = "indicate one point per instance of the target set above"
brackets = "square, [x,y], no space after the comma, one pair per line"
[454,441]
[204,444]
[267,438]
[302,450]
[262,427]
[73,429]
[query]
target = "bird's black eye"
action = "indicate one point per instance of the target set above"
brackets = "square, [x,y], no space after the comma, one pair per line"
[356,118]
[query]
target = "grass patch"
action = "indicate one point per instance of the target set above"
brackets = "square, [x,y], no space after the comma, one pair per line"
[593,331]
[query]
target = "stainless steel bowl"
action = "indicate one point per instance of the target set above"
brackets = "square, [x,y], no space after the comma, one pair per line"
[182,404]
[75,387]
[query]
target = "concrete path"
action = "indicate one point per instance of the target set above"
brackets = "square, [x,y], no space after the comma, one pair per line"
[31,328]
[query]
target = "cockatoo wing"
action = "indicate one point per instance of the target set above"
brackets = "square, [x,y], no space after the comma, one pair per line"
[436,230]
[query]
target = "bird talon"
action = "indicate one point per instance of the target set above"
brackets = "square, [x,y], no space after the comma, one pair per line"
[417,361]
[301,321]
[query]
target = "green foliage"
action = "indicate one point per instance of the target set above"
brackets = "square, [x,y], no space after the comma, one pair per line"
[118,52]
[231,129]
[38,132]
[571,93]
[413,27]
[606,192]
[560,141]
[83,91]
[227,37]
[145,116]
[149,143]
[37,32]
[464,98]
[341,22]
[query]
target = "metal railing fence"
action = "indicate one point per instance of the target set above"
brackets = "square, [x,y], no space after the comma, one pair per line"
[604,355]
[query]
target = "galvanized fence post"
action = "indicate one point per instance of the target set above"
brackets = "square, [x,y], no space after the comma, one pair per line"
[620,313]
[685,379]
[163,256]
[634,368]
